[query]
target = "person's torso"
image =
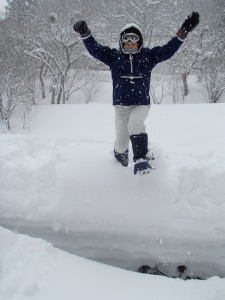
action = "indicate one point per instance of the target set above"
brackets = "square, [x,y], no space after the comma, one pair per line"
[131,78]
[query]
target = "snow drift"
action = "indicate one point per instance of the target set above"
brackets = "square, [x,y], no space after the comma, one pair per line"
[61,176]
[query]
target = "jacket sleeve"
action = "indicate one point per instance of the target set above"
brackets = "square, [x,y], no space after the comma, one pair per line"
[159,54]
[102,53]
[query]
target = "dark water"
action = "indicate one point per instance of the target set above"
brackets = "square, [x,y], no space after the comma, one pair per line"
[130,252]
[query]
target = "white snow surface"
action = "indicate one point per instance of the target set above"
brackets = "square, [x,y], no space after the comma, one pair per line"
[61,175]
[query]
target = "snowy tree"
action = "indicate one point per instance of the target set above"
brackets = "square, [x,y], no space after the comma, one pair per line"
[212,67]
[56,52]
[16,90]
[149,15]
[42,29]
[188,58]
[192,56]
[48,38]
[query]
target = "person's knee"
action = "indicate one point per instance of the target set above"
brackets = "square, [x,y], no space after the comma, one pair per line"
[136,127]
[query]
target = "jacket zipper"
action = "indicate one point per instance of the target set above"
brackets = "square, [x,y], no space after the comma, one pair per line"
[131,63]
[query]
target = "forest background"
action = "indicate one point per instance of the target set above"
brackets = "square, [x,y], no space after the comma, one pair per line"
[41,57]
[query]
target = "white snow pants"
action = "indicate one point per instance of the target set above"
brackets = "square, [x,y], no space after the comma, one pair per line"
[129,120]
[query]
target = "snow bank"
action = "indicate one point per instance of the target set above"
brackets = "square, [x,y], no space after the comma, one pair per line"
[33,269]
[62,175]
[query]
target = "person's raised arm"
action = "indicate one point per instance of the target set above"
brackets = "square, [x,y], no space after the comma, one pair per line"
[159,54]
[102,53]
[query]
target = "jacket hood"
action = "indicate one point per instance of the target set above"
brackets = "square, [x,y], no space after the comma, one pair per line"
[132,28]
[129,26]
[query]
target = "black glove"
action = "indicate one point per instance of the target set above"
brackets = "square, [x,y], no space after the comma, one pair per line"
[189,24]
[81,27]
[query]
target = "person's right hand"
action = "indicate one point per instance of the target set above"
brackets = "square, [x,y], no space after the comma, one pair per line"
[80,27]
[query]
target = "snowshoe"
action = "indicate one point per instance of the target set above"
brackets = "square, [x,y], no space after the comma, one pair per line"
[142,167]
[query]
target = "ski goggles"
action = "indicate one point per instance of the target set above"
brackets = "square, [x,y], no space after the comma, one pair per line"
[134,38]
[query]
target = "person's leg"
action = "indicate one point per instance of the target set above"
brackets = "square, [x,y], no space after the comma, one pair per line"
[136,128]
[139,138]
[122,114]
[121,145]
[138,115]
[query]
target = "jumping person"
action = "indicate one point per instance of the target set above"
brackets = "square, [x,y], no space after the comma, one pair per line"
[131,66]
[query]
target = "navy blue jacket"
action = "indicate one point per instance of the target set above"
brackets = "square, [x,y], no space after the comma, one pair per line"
[131,73]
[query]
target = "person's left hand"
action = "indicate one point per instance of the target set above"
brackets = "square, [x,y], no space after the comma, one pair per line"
[189,24]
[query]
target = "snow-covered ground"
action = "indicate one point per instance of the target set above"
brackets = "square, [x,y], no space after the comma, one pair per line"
[60,181]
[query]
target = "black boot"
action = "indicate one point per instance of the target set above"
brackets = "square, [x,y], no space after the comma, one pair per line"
[140,149]
[123,158]
[140,145]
